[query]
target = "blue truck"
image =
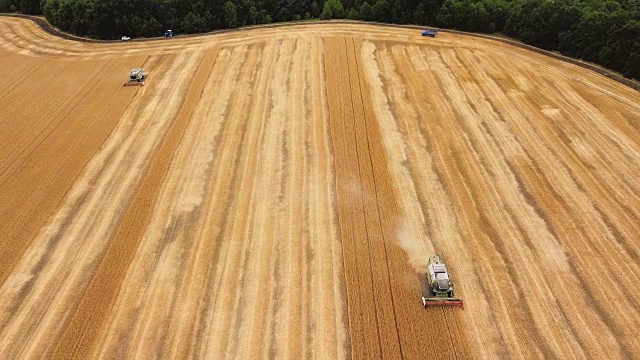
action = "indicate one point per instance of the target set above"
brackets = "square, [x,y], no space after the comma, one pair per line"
[430,33]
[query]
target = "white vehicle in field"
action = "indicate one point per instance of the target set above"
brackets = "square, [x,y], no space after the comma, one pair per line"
[126,38]
[136,77]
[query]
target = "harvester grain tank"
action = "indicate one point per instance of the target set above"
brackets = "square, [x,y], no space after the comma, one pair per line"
[437,287]
[136,77]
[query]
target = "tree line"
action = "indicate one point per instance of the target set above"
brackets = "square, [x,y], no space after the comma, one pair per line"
[606,32]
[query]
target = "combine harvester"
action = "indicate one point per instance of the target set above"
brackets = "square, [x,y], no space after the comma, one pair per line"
[136,77]
[437,288]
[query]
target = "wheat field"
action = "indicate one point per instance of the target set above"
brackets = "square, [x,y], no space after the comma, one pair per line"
[272,192]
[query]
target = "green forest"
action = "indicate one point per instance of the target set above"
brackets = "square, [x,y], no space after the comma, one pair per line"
[606,32]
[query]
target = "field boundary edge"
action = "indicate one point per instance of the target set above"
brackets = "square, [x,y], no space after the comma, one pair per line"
[50,29]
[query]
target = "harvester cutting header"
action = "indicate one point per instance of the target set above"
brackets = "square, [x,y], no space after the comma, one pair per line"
[437,288]
[136,77]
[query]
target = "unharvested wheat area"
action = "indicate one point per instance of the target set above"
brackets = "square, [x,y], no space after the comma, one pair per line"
[269,193]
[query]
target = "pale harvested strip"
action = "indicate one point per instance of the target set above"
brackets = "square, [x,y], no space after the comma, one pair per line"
[613,262]
[89,316]
[411,167]
[462,112]
[570,130]
[229,196]
[45,145]
[35,299]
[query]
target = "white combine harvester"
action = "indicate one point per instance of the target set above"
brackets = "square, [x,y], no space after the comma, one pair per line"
[136,77]
[437,287]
